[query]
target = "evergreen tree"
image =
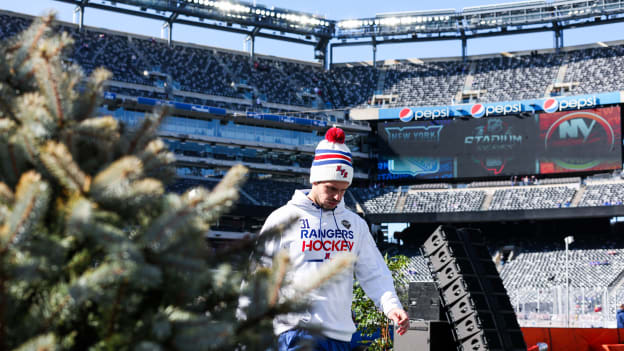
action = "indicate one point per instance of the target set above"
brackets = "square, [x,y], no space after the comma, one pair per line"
[94,253]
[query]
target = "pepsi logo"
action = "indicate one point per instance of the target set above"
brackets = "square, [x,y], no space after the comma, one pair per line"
[477,110]
[406,114]
[550,105]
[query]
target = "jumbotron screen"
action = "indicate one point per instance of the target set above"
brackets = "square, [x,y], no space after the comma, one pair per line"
[546,143]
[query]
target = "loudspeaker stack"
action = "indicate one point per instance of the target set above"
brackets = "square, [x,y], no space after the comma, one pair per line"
[471,291]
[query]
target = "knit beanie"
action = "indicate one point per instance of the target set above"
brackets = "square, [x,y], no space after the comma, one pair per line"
[332,159]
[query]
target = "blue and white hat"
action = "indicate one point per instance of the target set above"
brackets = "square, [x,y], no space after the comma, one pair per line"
[332,159]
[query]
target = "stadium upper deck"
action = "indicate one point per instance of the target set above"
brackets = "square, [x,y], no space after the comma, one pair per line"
[222,78]
[231,78]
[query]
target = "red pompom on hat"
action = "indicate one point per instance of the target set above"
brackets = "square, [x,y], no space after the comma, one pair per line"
[335,135]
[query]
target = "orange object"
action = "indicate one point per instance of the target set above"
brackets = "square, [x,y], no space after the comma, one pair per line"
[575,339]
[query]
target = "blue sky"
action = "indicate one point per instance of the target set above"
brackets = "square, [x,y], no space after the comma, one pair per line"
[335,10]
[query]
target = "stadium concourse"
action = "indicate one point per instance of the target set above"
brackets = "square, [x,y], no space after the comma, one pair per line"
[269,114]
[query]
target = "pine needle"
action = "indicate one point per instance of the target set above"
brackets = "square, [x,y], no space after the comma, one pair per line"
[281,264]
[112,183]
[98,130]
[87,103]
[6,195]
[31,199]
[59,161]
[46,342]
[327,271]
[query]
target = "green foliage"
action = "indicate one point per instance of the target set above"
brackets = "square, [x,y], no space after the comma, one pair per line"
[368,318]
[94,254]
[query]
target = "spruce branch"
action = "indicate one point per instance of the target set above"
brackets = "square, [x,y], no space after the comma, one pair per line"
[121,289]
[45,342]
[87,103]
[34,116]
[31,200]
[281,264]
[60,163]
[269,313]
[7,96]
[82,222]
[112,183]
[147,130]
[98,130]
[201,334]
[58,91]
[222,197]
[25,48]
[6,195]
[341,262]
[7,128]
[27,143]
[156,157]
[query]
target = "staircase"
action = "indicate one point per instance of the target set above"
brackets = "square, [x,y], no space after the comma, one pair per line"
[381,80]
[578,196]
[139,54]
[489,195]
[467,83]
[225,67]
[558,79]
[398,208]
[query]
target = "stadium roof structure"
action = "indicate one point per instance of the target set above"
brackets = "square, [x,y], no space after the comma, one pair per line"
[255,20]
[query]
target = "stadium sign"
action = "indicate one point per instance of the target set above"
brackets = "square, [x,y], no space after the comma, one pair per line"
[478,110]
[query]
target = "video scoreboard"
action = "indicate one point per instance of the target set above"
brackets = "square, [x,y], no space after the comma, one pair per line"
[517,144]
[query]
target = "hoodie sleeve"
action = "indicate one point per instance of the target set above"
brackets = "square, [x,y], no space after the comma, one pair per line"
[373,274]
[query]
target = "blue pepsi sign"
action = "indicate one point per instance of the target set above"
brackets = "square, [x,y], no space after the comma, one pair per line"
[478,110]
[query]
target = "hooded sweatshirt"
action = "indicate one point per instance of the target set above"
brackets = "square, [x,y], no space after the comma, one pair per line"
[320,235]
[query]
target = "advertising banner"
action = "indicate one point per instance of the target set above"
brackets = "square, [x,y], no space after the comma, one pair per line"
[488,109]
[521,144]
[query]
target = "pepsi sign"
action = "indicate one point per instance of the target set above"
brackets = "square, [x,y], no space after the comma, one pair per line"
[552,105]
[479,110]
[407,114]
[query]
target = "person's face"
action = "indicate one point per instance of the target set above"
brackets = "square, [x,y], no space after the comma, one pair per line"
[328,194]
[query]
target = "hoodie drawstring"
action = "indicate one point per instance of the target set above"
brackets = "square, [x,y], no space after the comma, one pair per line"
[321,224]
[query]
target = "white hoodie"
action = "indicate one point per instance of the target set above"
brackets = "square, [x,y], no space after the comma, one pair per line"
[320,235]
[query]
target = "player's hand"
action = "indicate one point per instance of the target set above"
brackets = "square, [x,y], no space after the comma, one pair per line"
[400,320]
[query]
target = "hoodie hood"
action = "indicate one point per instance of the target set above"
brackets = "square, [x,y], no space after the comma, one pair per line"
[301,200]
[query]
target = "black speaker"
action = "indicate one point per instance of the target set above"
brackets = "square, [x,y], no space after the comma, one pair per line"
[472,293]
[424,302]
[425,336]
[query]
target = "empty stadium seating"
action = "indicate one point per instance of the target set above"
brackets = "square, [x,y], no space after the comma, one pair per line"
[606,194]
[223,73]
[532,197]
[443,201]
